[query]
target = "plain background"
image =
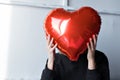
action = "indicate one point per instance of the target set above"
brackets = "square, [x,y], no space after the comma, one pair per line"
[23,51]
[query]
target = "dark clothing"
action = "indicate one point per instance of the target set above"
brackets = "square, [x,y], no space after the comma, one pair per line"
[64,69]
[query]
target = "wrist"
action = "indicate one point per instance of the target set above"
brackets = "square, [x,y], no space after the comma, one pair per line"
[91,64]
[91,60]
[50,63]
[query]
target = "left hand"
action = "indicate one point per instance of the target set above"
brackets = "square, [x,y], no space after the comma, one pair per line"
[91,52]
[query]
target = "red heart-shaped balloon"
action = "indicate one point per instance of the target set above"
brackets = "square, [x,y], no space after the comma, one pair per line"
[72,30]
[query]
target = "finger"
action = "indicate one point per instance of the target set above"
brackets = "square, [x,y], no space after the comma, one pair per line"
[91,44]
[54,46]
[48,39]
[95,40]
[88,45]
[51,43]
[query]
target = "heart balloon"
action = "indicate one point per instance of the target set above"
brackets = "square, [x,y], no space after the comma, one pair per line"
[72,30]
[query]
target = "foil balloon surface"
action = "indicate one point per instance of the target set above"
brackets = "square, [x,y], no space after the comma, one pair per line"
[72,30]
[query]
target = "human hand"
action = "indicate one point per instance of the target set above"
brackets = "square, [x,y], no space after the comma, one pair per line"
[91,52]
[51,52]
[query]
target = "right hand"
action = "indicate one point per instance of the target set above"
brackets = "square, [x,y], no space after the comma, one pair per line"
[51,52]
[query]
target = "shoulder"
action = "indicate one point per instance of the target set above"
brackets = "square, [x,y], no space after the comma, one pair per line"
[101,57]
[100,54]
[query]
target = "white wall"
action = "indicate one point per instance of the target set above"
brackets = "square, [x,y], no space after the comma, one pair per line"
[23,50]
[109,43]
[27,43]
[26,48]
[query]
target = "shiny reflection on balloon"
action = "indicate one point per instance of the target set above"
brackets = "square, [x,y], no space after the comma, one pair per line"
[59,25]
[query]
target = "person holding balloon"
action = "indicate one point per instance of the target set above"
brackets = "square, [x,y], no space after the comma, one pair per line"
[91,64]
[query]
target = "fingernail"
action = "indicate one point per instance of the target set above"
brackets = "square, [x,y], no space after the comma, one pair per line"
[90,39]
[87,43]
[93,35]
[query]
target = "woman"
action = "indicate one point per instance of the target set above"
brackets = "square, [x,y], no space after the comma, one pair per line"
[92,65]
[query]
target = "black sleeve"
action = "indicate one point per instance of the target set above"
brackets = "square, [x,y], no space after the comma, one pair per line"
[102,69]
[92,75]
[48,74]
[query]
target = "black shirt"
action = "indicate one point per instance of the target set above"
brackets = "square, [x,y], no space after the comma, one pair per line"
[64,69]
